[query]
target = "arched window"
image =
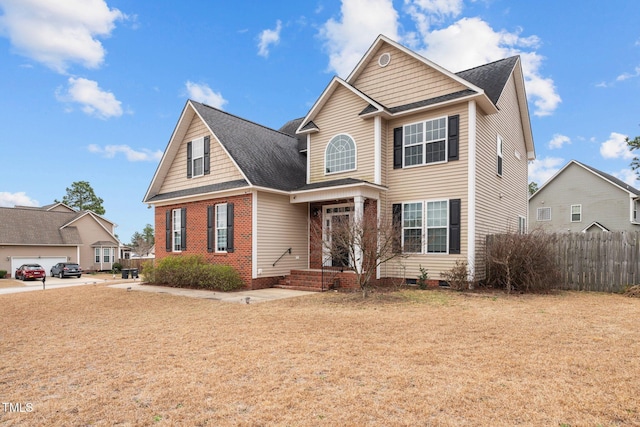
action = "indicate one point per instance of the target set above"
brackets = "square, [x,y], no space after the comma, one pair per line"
[341,154]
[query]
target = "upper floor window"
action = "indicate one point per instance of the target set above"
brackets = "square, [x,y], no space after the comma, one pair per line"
[197,157]
[543,214]
[425,142]
[340,154]
[576,213]
[500,158]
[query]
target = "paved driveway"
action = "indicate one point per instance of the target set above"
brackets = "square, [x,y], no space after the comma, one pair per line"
[55,283]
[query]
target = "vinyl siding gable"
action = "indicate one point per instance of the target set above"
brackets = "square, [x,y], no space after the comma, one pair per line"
[340,115]
[404,80]
[222,168]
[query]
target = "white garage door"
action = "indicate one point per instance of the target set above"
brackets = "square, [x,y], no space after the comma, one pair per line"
[45,262]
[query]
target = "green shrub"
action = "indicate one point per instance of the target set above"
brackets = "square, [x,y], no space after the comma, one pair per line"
[3,273]
[193,272]
[117,267]
[422,278]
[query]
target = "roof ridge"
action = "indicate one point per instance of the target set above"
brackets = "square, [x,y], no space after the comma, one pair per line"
[241,118]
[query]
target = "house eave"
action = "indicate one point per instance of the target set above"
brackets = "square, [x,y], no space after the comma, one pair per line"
[365,189]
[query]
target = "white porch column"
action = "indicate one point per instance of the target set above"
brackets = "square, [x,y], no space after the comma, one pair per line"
[358,210]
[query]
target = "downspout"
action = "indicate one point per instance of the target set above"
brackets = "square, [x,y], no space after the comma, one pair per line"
[471,192]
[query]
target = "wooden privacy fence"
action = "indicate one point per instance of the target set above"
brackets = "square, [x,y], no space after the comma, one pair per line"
[599,261]
[133,263]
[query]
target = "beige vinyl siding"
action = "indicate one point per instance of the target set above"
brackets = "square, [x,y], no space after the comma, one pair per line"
[601,201]
[405,80]
[500,200]
[442,181]
[91,232]
[222,167]
[341,115]
[281,225]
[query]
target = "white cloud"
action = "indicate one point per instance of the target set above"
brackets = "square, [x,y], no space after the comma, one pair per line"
[110,151]
[58,33]
[470,42]
[203,93]
[95,101]
[628,176]
[466,43]
[540,170]
[268,38]
[616,147]
[627,76]
[9,200]
[558,141]
[361,21]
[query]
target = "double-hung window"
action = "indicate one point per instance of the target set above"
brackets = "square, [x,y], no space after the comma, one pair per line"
[97,255]
[437,226]
[412,227]
[499,157]
[221,227]
[197,157]
[425,142]
[576,213]
[176,231]
[425,221]
[106,255]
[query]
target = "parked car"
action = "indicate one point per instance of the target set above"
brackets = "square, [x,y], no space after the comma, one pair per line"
[30,271]
[66,269]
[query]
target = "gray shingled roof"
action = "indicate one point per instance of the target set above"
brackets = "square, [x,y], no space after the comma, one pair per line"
[199,190]
[611,178]
[268,158]
[37,227]
[290,129]
[491,77]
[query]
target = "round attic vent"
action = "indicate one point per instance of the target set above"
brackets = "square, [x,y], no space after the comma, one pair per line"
[384,59]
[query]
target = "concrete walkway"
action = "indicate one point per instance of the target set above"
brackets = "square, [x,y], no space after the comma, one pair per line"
[241,297]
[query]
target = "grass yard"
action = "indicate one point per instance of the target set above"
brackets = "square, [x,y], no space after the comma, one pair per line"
[94,355]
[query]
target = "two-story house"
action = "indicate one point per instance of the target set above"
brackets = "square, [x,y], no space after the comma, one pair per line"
[446,154]
[581,198]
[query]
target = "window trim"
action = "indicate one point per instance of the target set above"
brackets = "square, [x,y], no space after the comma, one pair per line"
[422,233]
[96,255]
[218,207]
[579,206]
[176,229]
[424,142]
[198,142]
[355,154]
[424,229]
[539,210]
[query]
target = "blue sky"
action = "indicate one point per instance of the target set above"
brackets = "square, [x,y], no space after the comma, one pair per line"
[92,89]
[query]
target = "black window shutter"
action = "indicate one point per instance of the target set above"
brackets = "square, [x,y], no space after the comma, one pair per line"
[397,148]
[189,163]
[397,228]
[167,232]
[454,226]
[454,137]
[183,229]
[207,162]
[210,228]
[230,247]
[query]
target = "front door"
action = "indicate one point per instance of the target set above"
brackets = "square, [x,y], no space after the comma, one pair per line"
[339,248]
[336,220]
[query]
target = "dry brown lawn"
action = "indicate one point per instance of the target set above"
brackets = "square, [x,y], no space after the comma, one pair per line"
[94,355]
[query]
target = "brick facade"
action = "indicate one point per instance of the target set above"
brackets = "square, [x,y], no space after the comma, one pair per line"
[240,258]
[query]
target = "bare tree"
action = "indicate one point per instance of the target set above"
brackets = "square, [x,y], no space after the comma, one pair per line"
[359,242]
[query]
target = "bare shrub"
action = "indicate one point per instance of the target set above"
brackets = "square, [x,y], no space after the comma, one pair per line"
[633,291]
[458,276]
[522,262]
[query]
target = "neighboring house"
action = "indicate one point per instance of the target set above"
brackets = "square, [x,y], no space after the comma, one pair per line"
[56,233]
[446,154]
[581,198]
